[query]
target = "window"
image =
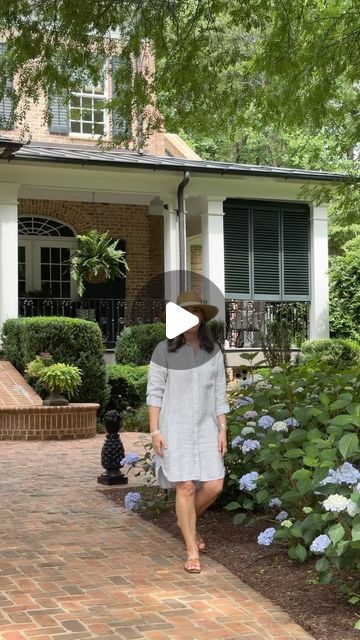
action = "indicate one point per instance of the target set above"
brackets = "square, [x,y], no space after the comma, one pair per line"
[45,247]
[87,113]
[266,250]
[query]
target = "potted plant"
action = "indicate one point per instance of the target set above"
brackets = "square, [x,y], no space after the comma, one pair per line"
[96,259]
[56,378]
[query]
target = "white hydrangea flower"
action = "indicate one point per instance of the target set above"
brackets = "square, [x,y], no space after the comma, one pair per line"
[299,390]
[262,385]
[307,509]
[276,370]
[280,427]
[336,503]
[286,523]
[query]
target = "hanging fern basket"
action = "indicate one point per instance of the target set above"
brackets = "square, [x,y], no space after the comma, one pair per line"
[99,278]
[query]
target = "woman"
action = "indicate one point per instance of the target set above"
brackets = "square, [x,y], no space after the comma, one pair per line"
[186,396]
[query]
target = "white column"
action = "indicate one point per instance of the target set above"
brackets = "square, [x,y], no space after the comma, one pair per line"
[212,234]
[8,252]
[171,253]
[319,308]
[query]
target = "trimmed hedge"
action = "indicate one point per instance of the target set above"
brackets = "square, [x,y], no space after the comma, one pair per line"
[127,385]
[68,340]
[343,351]
[135,344]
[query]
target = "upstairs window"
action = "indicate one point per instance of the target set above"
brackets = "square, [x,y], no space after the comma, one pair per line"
[87,112]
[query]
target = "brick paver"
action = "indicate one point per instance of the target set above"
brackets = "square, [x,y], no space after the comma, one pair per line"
[74,565]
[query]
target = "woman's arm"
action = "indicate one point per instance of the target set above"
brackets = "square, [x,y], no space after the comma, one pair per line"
[157,375]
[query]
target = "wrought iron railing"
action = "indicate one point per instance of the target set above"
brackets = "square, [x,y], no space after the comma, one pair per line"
[110,314]
[247,320]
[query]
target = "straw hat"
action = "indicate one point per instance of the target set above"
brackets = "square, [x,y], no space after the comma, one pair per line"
[192,299]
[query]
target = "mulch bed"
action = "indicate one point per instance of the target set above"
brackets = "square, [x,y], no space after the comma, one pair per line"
[321,610]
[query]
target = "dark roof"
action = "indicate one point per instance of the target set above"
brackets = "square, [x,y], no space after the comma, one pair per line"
[84,155]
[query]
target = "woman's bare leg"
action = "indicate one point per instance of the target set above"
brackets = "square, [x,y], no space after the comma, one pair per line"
[207,494]
[186,515]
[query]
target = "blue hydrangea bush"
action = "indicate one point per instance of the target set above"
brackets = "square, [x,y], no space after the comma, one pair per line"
[293,459]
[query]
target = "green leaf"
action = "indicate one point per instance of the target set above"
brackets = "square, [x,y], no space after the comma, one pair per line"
[336,533]
[262,495]
[294,453]
[354,600]
[301,474]
[355,534]
[311,462]
[248,504]
[324,399]
[343,420]
[357,625]
[322,564]
[298,553]
[348,445]
[239,518]
[232,506]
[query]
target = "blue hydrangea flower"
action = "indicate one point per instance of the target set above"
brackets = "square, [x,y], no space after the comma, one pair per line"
[243,402]
[291,422]
[130,459]
[320,544]
[266,421]
[266,537]
[236,441]
[275,502]
[281,516]
[352,508]
[132,500]
[250,445]
[250,415]
[248,481]
[346,474]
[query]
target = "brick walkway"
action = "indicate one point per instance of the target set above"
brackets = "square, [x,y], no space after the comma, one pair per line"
[75,566]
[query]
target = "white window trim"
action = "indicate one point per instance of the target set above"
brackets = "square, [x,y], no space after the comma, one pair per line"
[95,136]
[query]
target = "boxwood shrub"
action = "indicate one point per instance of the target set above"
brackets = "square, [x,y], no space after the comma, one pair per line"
[127,385]
[135,344]
[342,352]
[68,340]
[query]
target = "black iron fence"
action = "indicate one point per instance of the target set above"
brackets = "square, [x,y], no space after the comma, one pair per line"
[247,320]
[110,314]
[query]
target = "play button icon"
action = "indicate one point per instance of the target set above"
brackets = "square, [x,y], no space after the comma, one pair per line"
[178,320]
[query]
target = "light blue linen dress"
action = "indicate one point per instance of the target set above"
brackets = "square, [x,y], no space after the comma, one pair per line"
[190,389]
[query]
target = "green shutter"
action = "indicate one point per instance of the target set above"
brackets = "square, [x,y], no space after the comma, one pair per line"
[60,120]
[266,252]
[296,270]
[236,245]
[121,78]
[6,103]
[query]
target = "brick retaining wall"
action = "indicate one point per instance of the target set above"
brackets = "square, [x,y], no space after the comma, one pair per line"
[76,420]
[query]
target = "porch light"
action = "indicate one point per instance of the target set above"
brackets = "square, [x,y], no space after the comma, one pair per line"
[8,147]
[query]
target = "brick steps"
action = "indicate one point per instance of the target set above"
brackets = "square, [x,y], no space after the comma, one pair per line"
[23,416]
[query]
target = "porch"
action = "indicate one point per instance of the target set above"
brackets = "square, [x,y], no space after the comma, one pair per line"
[247,233]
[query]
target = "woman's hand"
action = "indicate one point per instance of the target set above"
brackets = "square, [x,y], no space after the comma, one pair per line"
[222,442]
[159,444]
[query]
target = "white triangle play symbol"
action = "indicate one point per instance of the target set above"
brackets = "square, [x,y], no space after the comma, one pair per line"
[178,320]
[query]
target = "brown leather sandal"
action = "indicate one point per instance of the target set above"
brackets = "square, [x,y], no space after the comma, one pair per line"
[192,565]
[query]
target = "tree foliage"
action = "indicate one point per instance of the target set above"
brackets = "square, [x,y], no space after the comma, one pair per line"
[284,62]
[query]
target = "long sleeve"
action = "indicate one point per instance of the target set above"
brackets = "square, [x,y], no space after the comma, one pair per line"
[157,374]
[222,405]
